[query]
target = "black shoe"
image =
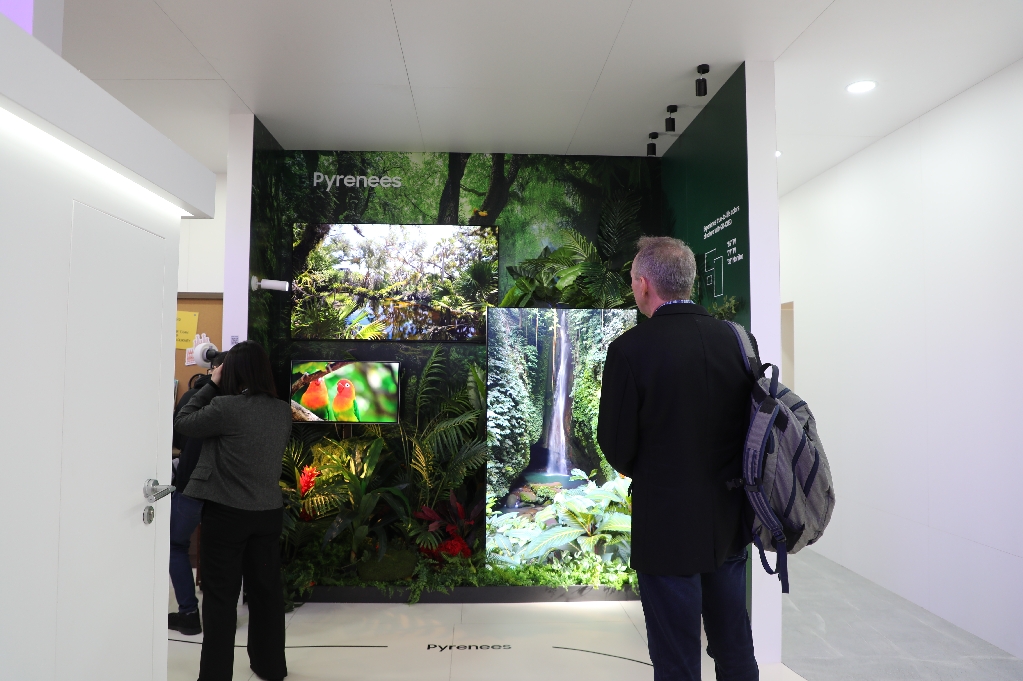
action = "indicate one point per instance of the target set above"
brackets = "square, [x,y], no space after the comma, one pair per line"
[187,623]
[258,673]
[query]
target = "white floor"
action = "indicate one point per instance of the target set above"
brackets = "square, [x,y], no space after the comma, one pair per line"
[350,642]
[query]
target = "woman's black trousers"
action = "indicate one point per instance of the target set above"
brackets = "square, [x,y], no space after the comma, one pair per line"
[237,543]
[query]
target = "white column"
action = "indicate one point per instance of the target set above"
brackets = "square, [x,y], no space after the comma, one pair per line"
[765,302]
[236,232]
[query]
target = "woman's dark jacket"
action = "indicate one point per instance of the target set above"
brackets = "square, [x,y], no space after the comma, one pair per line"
[244,440]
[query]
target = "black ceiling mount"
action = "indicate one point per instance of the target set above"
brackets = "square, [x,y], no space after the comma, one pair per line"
[652,135]
[672,108]
[701,83]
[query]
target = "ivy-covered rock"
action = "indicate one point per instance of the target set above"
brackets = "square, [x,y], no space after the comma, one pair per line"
[590,334]
[514,417]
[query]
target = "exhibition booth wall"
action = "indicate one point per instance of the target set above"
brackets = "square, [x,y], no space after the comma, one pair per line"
[902,265]
[495,282]
[471,298]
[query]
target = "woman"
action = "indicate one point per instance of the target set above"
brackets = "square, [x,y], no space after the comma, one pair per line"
[245,430]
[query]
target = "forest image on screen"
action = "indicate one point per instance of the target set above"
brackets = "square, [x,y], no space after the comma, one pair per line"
[397,282]
[346,392]
[548,484]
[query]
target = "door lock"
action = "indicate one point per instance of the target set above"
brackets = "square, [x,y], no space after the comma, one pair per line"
[148,514]
[153,490]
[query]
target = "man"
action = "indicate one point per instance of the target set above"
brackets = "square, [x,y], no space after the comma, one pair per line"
[674,410]
[186,513]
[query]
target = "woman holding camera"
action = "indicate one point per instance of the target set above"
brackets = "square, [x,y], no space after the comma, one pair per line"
[245,430]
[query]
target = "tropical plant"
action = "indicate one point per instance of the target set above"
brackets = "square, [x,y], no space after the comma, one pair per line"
[450,519]
[333,316]
[579,273]
[351,474]
[441,443]
[588,519]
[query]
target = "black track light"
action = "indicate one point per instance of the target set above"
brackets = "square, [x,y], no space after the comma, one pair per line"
[701,83]
[669,122]
[651,147]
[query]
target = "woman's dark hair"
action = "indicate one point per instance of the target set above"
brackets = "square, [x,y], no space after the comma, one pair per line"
[247,370]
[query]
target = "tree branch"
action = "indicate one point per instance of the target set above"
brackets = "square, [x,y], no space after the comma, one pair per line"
[309,378]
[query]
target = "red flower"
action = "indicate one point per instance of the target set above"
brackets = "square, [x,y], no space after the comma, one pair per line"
[307,479]
[456,546]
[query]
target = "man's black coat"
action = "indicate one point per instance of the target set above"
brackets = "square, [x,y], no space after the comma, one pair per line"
[674,410]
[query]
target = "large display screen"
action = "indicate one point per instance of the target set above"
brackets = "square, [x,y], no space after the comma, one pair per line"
[396,282]
[345,392]
[544,374]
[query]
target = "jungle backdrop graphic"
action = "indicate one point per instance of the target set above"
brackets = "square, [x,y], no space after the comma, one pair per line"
[473,486]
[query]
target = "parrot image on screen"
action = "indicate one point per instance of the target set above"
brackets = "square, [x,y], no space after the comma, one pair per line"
[315,398]
[345,407]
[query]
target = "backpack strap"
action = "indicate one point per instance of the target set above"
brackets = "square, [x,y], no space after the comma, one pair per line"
[749,353]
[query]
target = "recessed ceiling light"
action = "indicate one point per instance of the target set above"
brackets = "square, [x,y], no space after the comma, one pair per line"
[777,154]
[861,86]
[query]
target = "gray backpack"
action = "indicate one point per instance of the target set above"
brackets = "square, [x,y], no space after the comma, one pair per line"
[784,471]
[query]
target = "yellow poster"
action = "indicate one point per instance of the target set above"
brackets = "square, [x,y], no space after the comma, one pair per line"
[188,322]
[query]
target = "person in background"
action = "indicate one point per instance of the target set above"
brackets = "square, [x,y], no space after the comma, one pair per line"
[185,515]
[674,410]
[245,430]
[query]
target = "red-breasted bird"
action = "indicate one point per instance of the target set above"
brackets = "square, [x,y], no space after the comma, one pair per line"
[315,398]
[345,407]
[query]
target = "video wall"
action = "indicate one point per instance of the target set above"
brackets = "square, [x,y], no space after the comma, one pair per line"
[444,338]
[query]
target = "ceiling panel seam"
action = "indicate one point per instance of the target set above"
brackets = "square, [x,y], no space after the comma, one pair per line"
[597,82]
[805,29]
[199,52]
[415,109]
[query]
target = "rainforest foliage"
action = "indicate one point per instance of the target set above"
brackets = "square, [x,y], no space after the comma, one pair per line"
[401,282]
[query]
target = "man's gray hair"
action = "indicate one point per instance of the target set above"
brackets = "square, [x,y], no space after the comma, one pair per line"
[668,264]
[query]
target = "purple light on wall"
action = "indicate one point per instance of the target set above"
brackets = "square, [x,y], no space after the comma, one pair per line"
[18,11]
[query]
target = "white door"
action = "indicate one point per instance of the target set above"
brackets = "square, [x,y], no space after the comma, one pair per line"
[107,565]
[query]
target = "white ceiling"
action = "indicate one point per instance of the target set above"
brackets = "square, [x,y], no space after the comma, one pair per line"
[921,53]
[541,76]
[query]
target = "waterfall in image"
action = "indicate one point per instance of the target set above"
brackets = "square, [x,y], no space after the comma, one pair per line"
[557,459]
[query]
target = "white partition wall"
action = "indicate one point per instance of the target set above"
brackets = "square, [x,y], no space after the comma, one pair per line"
[765,303]
[201,263]
[88,263]
[904,265]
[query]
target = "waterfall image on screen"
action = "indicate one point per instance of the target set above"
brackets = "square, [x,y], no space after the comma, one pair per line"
[395,282]
[543,392]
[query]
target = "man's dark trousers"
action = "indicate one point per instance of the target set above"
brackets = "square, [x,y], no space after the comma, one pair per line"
[185,515]
[673,606]
[237,542]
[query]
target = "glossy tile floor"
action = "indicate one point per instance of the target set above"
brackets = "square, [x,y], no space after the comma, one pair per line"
[352,642]
[839,626]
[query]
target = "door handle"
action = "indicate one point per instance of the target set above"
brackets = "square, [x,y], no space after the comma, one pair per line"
[153,490]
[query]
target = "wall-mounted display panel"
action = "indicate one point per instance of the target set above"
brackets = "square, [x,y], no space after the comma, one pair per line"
[345,392]
[396,282]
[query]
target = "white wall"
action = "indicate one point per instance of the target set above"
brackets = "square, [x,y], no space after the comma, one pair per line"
[762,174]
[40,181]
[201,260]
[238,229]
[904,266]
